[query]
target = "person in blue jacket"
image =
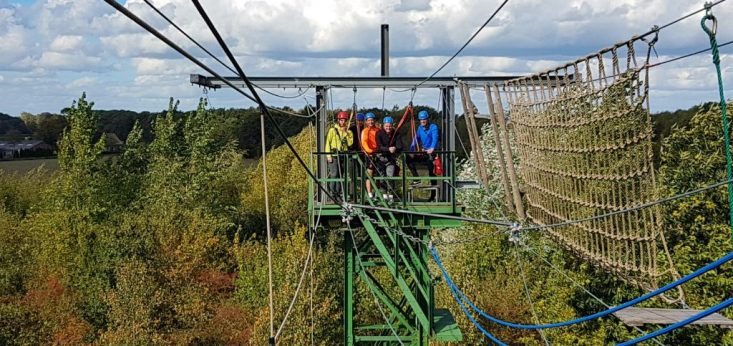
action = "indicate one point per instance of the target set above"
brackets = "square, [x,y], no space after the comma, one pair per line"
[423,146]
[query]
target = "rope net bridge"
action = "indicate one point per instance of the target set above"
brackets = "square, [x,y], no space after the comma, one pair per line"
[583,134]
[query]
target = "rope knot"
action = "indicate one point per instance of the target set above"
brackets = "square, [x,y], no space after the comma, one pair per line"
[514,233]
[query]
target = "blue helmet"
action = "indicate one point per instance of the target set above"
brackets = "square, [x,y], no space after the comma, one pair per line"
[360,116]
[423,115]
[370,115]
[388,120]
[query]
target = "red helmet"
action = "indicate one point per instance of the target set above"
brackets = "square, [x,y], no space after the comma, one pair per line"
[342,115]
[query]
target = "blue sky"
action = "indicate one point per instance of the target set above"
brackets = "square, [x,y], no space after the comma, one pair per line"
[53,50]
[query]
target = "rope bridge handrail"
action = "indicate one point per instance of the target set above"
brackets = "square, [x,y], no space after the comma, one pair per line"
[449,281]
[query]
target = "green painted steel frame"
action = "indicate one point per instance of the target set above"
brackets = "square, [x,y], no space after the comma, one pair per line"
[410,314]
[409,305]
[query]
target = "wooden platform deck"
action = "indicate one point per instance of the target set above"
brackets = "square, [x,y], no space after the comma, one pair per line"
[640,316]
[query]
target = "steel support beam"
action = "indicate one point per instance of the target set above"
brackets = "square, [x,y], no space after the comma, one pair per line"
[448,116]
[349,82]
[385,50]
[321,128]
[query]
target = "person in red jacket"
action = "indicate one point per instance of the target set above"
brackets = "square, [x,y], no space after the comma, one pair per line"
[369,146]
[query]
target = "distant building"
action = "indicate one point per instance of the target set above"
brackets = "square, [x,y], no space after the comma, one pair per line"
[30,148]
[112,143]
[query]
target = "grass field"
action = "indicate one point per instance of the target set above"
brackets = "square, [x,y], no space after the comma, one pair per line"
[23,166]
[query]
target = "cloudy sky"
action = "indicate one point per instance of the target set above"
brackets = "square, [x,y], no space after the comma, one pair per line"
[53,50]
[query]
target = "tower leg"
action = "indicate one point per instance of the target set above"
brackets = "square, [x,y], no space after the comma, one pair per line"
[348,288]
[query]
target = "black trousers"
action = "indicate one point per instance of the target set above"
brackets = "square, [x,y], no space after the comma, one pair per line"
[386,166]
[413,160]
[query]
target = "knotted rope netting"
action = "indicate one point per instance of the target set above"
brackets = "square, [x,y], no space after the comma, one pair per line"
[584,137]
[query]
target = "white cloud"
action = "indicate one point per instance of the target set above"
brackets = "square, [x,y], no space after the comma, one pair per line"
[413,5]
[83,82]
[62,44]
[14,38]
[134,45]
[66,61]
[152,66]
[66,43]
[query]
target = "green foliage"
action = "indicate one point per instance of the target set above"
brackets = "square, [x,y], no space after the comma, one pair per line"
[140,248]
[288,253]
[47,127]
[14,256]
[240,126]
[287,187]
[667,122]
[697,227]
[19,325]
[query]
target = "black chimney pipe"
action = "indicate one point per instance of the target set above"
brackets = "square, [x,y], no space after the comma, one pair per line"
[385,50]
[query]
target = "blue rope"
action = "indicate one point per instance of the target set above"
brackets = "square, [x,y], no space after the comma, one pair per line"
[473,320]
[679,324]
[607,312]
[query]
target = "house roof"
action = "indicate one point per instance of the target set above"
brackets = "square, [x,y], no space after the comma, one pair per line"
[20,145]
[111,139]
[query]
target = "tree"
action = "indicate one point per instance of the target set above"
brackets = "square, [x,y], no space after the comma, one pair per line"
[697,227]
[12,126]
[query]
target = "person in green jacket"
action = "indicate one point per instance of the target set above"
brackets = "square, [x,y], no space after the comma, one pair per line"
[338,139]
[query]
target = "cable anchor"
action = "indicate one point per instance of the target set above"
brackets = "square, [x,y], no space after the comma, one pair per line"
[709,16]
[653,41]
[347,212]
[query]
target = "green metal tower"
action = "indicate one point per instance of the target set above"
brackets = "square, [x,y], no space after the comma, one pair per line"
[386,254]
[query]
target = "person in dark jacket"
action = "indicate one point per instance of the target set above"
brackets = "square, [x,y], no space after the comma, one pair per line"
[388,149]
[355,129]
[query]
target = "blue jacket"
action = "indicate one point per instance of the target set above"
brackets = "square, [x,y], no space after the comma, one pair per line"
[428,139]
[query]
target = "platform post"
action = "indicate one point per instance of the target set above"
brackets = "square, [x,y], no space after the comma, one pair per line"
[348,288]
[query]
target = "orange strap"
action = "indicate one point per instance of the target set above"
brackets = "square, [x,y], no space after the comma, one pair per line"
[351,117]
[409,111]
[414,134]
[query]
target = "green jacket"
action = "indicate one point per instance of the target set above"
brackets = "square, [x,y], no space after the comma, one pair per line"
[338,140]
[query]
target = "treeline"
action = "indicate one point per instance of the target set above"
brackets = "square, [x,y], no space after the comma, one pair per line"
[240,125]
[12,126]
[164,245]
[243,125]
